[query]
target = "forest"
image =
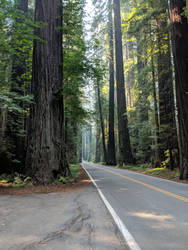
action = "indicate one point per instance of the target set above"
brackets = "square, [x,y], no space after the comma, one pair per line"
[103,81]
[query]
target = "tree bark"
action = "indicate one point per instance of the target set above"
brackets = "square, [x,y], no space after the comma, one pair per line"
[125,154]
[90,143]
[179,42]
[46,159]
[101,121]
[142,103]
[167,124]
[111,156]
[97,151]
[156,118]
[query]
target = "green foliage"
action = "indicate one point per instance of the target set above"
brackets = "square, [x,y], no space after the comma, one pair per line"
[9,101]
[186,11]
[75,63]
[160,172]
[16,41]
[15,180]
[20,180]
[76,68]
[163,172]
[140,34]
[136,167]
[74,168]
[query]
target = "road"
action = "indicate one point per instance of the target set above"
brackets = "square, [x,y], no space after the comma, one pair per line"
[154,210]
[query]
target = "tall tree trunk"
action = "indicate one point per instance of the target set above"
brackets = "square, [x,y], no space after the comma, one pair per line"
[90,143]
[101,121]
[130,75]
[142,103]
[79,149]
[97,151]
[111,156]
[83,144]
[3,142]
[125,154]
[179,42]
[46,158]
[156,118]
[167,132]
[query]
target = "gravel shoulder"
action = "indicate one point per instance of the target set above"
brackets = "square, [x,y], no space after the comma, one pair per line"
[74,219]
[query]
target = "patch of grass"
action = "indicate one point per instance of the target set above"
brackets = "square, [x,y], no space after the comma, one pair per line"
[135,167]
[157,171]
[164,172]
[74,168]
[160,172]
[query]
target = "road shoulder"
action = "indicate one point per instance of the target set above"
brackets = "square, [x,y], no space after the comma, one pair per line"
[55,221]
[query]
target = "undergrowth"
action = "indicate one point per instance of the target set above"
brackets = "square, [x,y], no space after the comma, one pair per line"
[18,180]
[74,168]
[146,169]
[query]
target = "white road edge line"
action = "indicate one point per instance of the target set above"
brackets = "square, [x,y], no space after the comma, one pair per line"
[127,236]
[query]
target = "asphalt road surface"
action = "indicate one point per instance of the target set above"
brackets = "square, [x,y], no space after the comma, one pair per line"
[154,210]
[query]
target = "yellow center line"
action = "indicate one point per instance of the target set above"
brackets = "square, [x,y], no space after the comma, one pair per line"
[149,186]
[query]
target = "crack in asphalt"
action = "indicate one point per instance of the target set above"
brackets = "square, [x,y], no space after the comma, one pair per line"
[71,226]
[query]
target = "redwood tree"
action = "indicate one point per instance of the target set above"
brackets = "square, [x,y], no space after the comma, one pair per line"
[45,158]
[167,124]
[180,40]
[125,154]
[101,120]
[111,156]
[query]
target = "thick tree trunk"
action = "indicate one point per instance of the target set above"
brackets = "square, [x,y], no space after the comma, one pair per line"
[179,43]
[125,154]
[46,158]
[167,124]
[101,121]
[111,156]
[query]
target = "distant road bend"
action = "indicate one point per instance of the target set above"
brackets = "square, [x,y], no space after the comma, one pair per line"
[153,211]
